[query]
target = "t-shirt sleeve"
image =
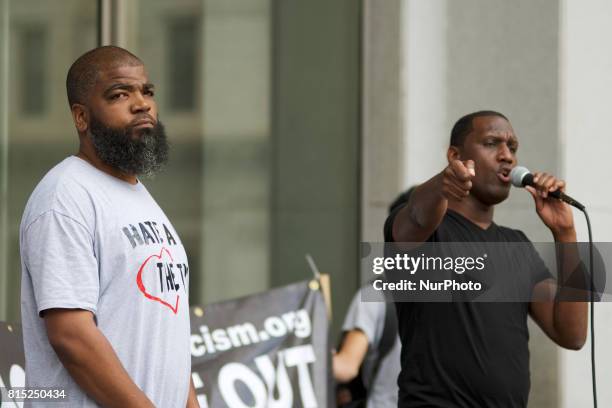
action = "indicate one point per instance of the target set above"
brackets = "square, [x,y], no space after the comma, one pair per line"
[388,228]
[60,260]
[538,269]
[365,316]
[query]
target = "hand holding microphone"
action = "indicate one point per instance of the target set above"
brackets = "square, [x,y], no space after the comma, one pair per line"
[544,183]
[553,212]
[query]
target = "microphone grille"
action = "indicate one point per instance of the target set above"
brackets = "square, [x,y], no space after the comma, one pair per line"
[517,175]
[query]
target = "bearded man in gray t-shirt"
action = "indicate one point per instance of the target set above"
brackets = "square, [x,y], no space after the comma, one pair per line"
[105,277]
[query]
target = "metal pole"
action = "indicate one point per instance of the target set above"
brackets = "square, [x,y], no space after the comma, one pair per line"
[4,147]
[105,20]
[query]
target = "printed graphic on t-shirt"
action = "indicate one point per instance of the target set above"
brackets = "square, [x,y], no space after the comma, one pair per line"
[160,278]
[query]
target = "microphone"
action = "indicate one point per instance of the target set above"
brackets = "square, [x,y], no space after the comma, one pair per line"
[521,177]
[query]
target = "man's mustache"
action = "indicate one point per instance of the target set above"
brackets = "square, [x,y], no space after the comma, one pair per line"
[142,119]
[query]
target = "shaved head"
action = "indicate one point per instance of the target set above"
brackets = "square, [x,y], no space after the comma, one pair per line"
[83,73]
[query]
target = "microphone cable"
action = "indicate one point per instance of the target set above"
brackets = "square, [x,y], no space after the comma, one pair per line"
[592,306]
[521,177]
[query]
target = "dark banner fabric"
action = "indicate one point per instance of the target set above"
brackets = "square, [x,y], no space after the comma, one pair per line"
[12,361]
[266,350]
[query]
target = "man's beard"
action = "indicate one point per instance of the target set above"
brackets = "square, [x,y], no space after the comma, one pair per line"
[132,151]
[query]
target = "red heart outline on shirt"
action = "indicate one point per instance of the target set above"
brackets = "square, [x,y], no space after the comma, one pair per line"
[144,290]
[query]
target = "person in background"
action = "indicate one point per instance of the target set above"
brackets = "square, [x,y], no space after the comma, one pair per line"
[370,348]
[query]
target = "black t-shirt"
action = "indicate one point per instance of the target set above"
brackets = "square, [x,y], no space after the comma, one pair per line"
[464,354]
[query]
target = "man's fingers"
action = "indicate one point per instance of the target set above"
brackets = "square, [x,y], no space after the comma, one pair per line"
[452,193]
[465,186]
[461,171]
[470,165]
[458,191]
[559,185]
[457,179]
[532,191]
[453,188]
[546,183]
[450,177]
[536,197]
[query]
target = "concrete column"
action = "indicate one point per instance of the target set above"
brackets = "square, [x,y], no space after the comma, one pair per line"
[586,85]
[424,89]
[382,144]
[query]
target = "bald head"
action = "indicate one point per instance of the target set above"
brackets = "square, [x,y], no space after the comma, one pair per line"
[84,72]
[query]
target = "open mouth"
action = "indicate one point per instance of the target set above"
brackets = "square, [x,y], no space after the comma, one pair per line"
[504,175]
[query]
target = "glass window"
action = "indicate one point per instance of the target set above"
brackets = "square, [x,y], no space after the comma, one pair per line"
[33,60]
[41,43]
[260,100]
[183,41]
[264,166]
[210,62]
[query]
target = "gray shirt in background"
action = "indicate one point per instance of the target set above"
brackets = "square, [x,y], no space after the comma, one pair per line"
[369,317]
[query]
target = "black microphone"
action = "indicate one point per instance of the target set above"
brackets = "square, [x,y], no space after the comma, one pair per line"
[521,177]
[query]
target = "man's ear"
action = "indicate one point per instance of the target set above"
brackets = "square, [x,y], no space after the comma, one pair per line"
[453,153]
[80,116]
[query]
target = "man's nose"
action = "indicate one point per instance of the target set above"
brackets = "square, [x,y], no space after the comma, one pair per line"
[140,103]
[505,154]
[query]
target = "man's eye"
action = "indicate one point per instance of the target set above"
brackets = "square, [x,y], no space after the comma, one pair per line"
[117,96]
[150,92]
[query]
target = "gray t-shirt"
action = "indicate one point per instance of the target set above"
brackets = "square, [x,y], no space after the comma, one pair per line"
[369,317]
[91,241]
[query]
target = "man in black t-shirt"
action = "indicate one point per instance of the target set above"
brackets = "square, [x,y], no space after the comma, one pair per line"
[476,354]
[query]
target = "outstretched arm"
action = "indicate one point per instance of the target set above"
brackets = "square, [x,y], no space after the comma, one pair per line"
[427,204]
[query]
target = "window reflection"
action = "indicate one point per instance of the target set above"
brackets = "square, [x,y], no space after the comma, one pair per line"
[33,59]
[44,40]
[210,63]
[182,45]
